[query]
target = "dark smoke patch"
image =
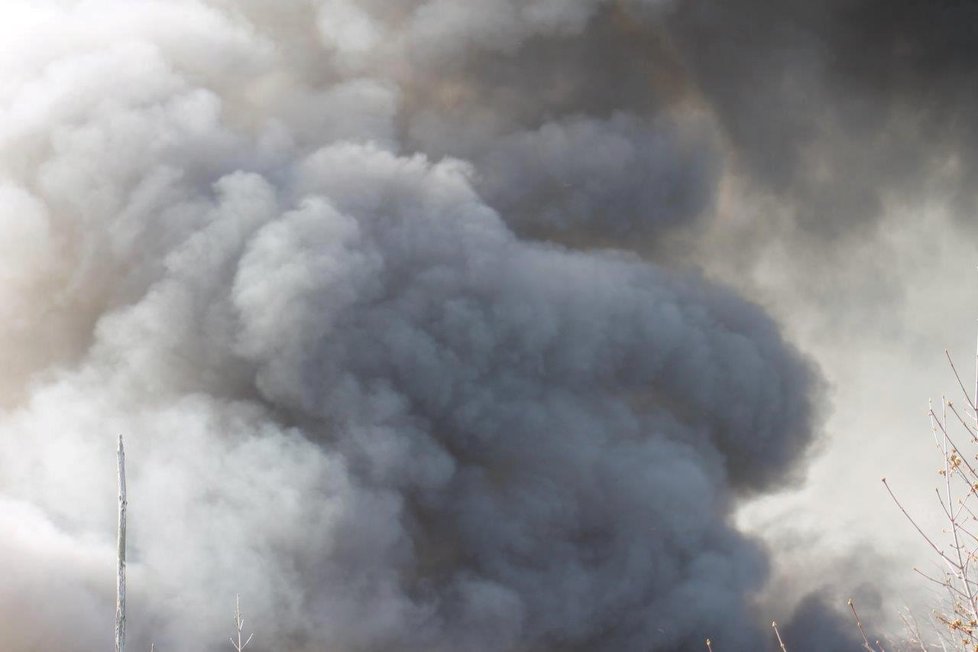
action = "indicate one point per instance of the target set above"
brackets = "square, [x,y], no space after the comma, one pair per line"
[576,137]
[837,106]
[636,178]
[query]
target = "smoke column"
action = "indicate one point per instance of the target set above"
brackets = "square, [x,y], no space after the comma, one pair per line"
[351,278]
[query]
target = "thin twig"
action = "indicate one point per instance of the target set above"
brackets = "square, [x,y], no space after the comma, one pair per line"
[962,565]
[120,599]
[914,523]
[967,398]
[957,450]
[774,624]
[859,624]
[945,584]
[967,426]
[239,626]
[913,629]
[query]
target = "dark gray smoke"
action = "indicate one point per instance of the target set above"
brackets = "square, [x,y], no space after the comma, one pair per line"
[841,106]
[284,250]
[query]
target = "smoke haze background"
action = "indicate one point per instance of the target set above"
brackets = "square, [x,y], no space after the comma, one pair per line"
[442,325]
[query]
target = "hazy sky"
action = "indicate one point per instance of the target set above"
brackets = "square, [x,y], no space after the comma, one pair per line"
[496,325]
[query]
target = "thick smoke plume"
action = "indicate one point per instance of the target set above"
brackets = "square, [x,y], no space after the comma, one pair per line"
[301,255]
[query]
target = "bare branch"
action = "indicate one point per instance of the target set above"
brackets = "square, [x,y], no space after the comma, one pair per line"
[120,602]
[777,633]
[917,527]
[239,626]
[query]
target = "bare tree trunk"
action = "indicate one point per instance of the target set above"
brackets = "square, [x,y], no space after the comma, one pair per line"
[120,602]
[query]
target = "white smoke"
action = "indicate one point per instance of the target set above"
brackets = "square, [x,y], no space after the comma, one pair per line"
[350,392]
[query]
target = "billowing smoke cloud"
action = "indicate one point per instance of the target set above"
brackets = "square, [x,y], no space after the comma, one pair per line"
[284,250]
